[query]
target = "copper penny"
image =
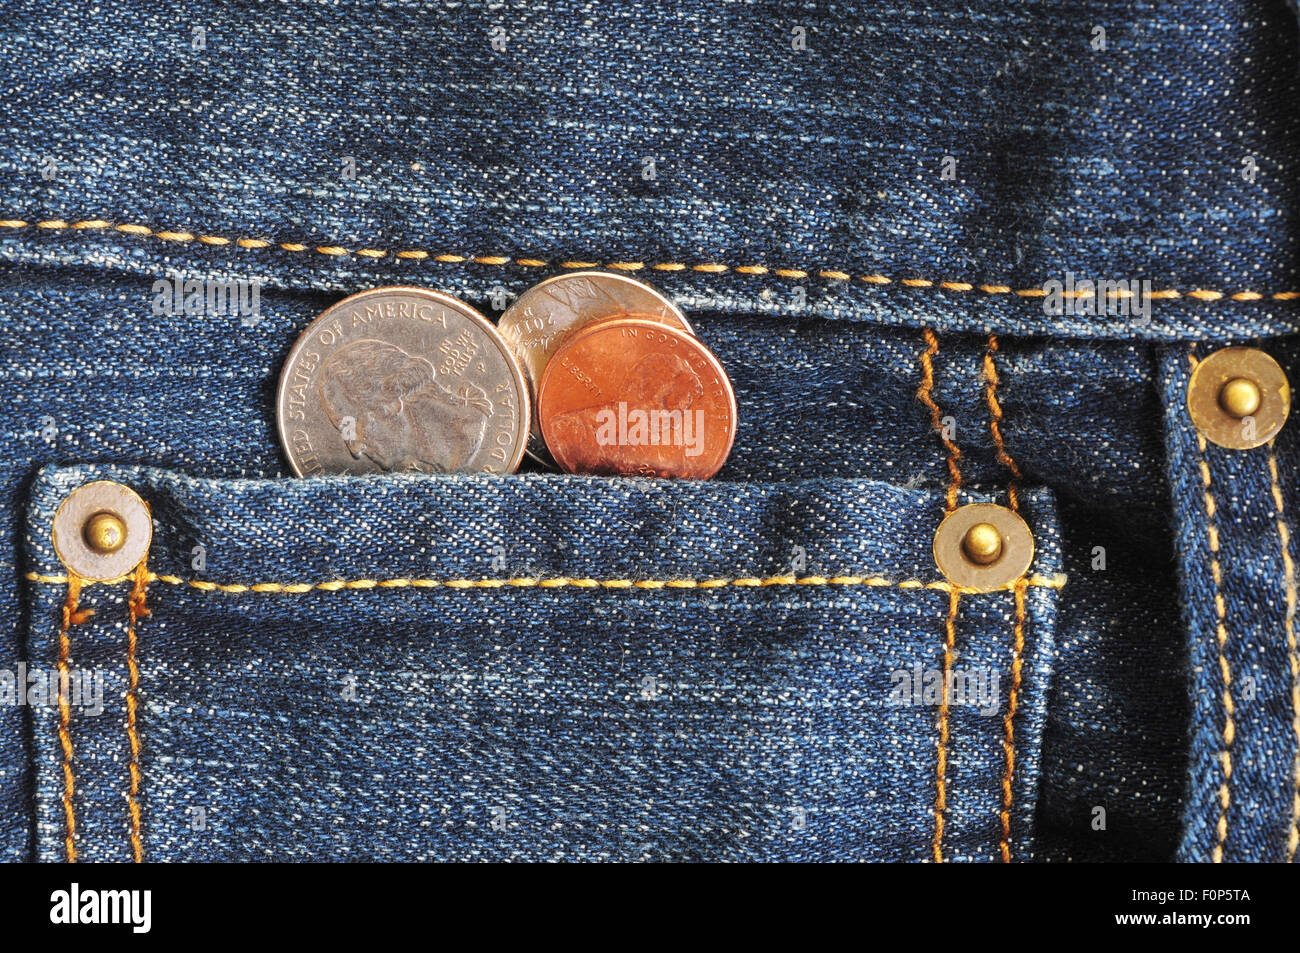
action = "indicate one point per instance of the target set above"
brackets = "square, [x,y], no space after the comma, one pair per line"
[637,398]
[537,323]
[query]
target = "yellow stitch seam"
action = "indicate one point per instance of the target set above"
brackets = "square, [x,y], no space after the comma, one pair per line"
[1201,294]
[71,616]
[556,582]
[1221,637]
[1293,649]
[924,394]
[1009,719]
[138,608]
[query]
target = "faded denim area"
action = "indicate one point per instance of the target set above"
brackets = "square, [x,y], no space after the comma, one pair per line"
[794,202]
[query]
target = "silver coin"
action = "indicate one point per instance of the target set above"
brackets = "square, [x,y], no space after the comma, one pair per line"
[541,318]
[399,380]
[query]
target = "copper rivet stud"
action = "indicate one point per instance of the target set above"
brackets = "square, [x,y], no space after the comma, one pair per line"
[983,546]
[102,531]
[1238,398]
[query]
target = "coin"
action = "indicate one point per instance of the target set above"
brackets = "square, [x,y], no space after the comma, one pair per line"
[538,321]
[637,398]
[397,380]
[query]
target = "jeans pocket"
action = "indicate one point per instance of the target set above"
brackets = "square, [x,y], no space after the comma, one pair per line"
[535,667]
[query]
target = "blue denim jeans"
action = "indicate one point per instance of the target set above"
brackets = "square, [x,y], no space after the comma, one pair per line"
[863,210]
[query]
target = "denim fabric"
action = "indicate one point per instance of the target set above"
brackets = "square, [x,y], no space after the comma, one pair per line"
[607,723]
[1244,744]
[799,214]
[1124,163]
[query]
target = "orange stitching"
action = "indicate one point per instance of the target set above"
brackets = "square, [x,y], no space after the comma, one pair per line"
[71,616]
[548,582]
[941,766]
[1008,720]
[1221,635]
[1293,651]
[995,423]
[924,394]
[1017,653]
[830,274]
[138,610]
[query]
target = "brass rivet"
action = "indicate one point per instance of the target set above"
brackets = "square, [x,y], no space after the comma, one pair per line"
[1238,398]
[983,546]
[104,533]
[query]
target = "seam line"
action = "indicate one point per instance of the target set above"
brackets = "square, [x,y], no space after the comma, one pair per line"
[1009,719]
[551,582]
[137,610]
[71,616]
[185,236]
[1221,636]
[925,394]
[1293,651]
[1018,637]
[941,758]
[995,423]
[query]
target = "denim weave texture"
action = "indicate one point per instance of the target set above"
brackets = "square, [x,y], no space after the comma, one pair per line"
[794,202]
[725,723]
